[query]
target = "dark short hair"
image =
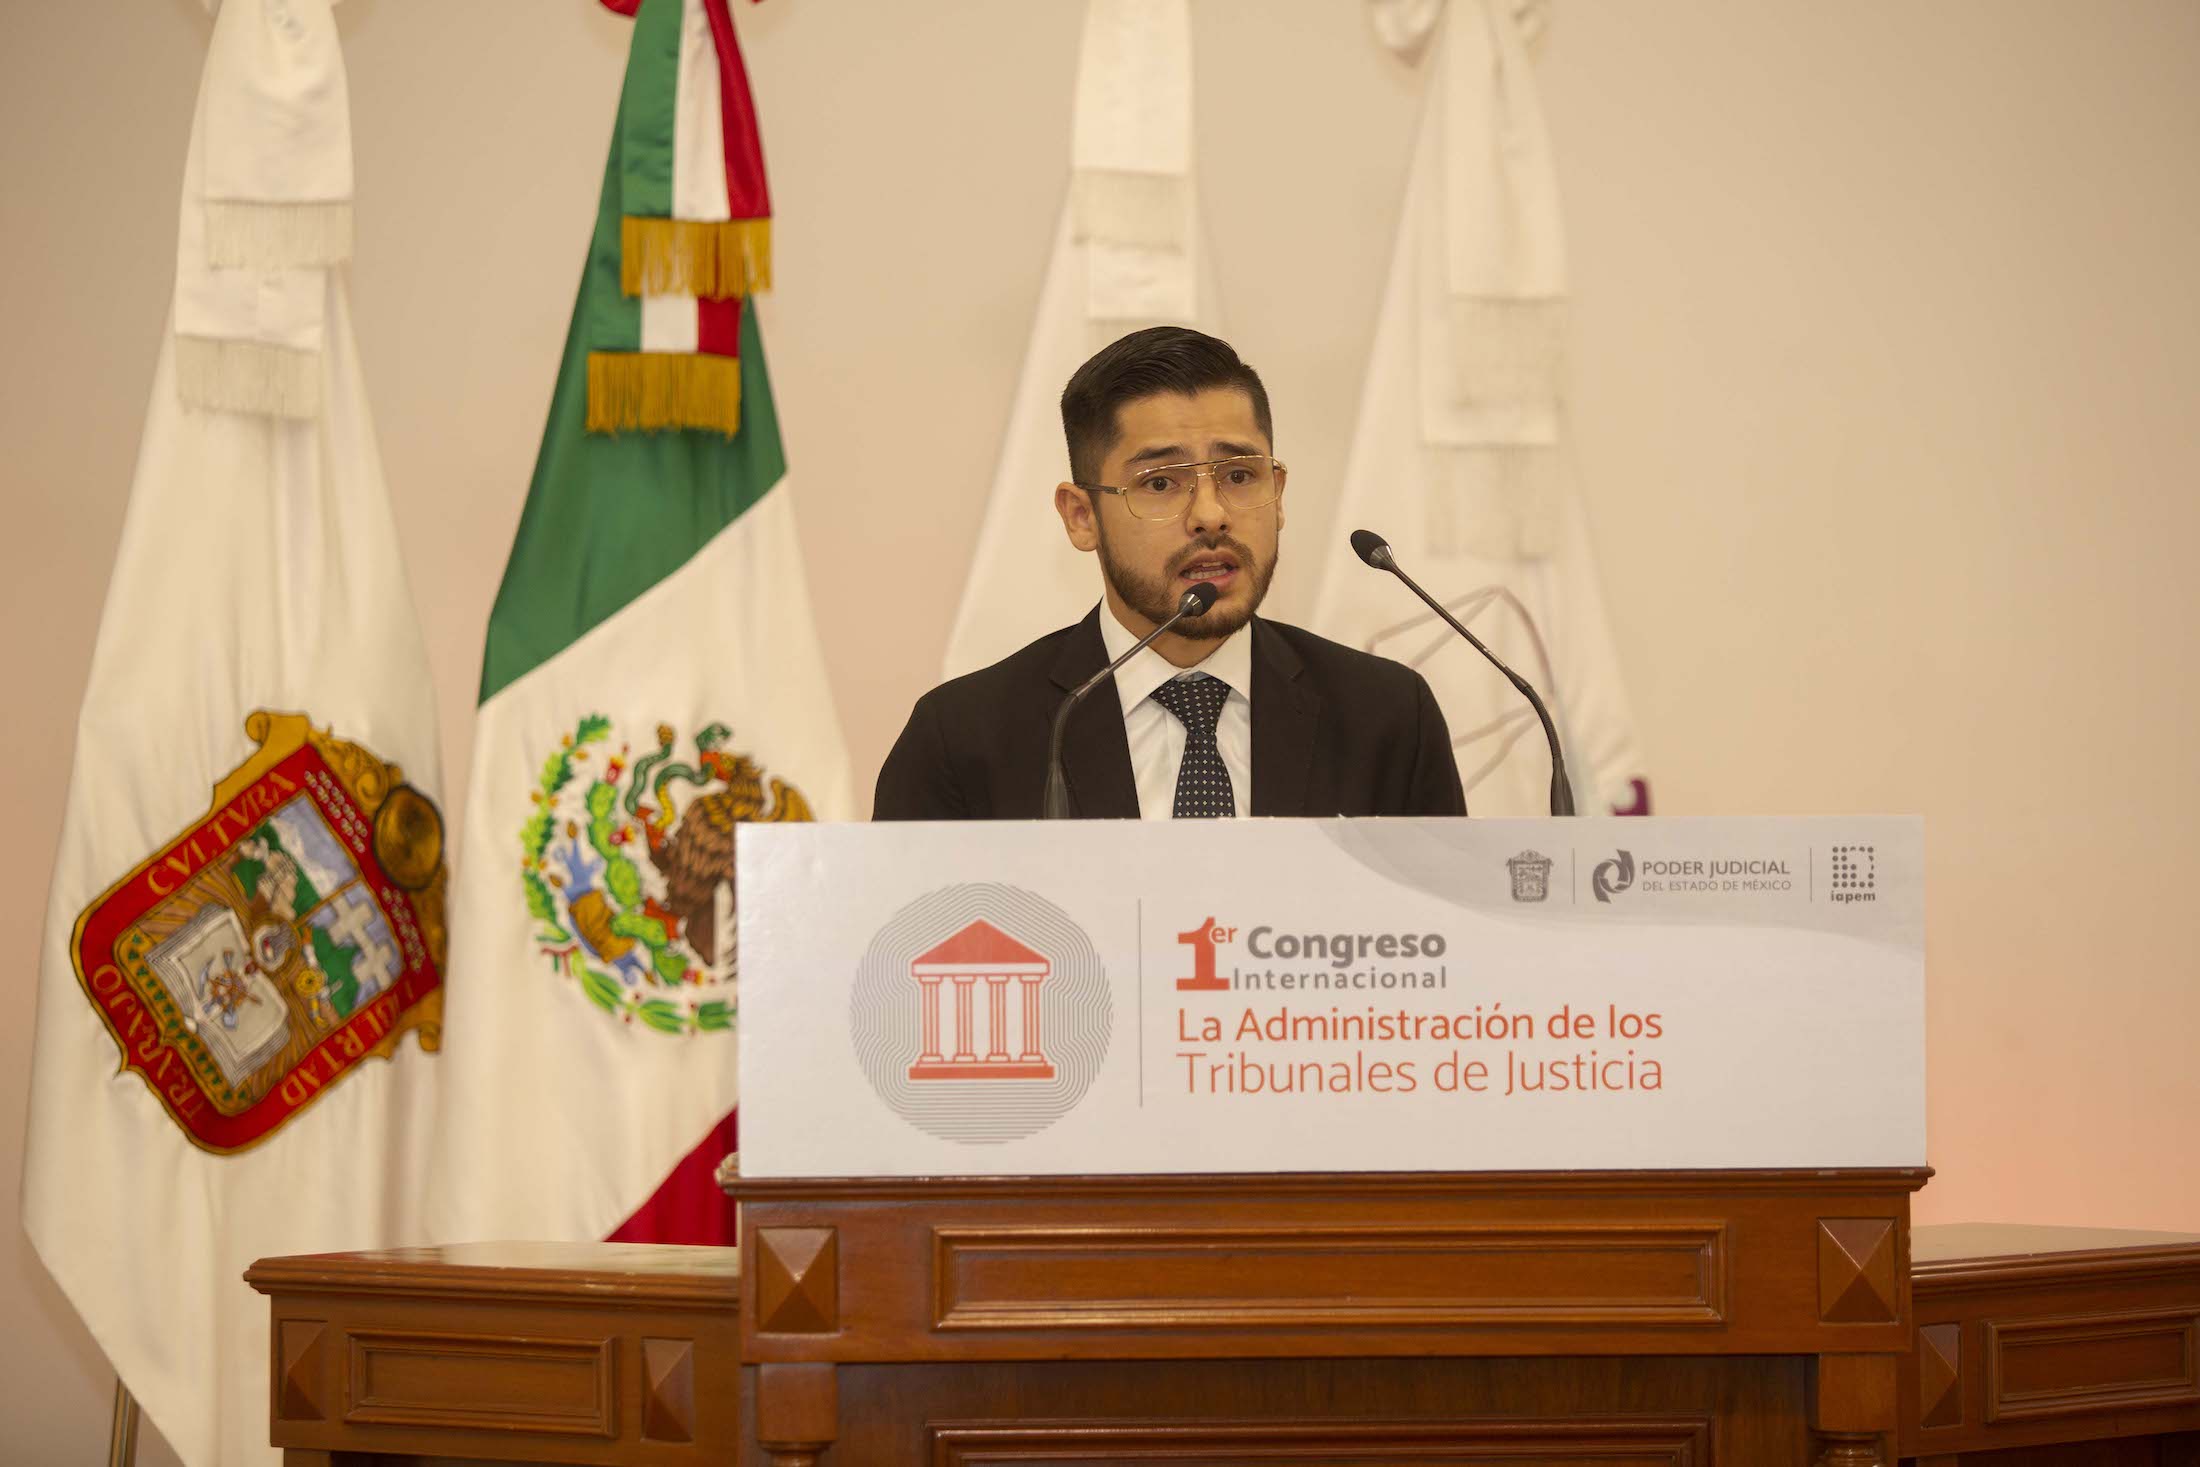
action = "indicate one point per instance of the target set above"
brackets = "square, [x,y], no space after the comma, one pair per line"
[1173,359]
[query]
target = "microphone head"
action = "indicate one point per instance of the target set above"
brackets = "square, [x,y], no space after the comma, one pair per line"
[1372,548]
[1197,600]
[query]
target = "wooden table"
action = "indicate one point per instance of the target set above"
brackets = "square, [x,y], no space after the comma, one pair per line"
[603,1354]
[2040,1346]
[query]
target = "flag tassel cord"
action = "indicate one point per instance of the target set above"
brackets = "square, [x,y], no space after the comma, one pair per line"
[653,391]
[713,260]
[122,1432]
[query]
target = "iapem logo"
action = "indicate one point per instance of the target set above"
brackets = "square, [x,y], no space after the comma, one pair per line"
[981,1013]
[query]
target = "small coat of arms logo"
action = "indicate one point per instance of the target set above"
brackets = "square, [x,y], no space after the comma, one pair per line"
[627,865]
[294,931]
[1531,876]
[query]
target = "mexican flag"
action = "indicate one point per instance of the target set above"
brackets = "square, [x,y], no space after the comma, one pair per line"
[651,680]
[240,983]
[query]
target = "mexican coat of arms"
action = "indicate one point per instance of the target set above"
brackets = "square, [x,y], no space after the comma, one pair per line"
[627,868]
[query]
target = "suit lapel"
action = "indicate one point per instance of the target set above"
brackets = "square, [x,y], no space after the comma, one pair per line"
[1286,716]
[1096,756]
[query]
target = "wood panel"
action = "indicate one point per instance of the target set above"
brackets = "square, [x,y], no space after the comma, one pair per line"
[1731,1412]
[444,1378]
[2129,1451]
[1669,1275]
[1378,1265]
[1462,1441]
[2091,1362]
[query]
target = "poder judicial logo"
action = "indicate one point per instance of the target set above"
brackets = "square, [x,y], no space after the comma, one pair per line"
[981,1013]
[291,933]
[1613,876]
[1658,878]
[627,868]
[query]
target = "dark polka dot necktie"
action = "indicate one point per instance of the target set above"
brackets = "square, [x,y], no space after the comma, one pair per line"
[1202,780]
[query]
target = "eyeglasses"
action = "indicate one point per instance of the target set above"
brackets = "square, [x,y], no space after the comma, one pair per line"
[1165,491]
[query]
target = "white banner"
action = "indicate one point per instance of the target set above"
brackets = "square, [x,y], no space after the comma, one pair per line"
[1011,998]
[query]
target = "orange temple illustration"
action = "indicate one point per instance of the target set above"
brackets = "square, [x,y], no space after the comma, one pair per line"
[978,952]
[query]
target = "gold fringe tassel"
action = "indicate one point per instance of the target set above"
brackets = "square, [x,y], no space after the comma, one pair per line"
[650,391]
[709,260]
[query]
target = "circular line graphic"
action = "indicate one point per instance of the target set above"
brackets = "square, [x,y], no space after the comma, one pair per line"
[981,1013]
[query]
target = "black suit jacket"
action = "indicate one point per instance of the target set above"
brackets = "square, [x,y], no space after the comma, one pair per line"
[1336,731]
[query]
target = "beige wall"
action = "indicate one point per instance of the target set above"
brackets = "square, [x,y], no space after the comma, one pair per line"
[1888,358]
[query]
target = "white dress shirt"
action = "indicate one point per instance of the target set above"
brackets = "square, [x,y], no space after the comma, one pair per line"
[1157,738]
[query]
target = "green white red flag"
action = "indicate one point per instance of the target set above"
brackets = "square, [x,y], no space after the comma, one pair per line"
[694,226]
[651,679]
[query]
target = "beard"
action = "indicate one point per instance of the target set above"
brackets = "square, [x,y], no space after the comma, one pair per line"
[1155,597]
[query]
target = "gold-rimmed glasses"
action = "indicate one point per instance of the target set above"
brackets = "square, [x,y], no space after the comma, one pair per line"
[1165,491]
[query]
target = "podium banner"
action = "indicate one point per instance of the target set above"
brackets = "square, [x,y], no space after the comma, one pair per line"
[1026,998]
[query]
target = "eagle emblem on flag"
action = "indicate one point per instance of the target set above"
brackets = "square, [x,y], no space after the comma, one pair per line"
[291,933]
[627,866]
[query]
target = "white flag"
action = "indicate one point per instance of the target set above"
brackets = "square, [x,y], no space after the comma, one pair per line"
[1128,253]
[1459,458]
[241,970]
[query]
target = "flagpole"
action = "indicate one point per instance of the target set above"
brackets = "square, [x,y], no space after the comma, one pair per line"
[122,1433]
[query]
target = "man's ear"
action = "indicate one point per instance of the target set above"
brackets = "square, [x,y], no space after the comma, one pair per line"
[1075,507]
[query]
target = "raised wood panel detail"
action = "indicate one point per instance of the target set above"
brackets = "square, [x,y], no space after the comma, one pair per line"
[483,1381]
[1940,1375]
[2091,1362]
[1649,1275]
[798,1281]
[668,1390]
[1858,1277]
[1633,1442]
[298,1374]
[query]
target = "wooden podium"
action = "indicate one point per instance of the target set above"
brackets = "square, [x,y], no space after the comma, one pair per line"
[1114,1311]
[1136,1277]
[1655,1319]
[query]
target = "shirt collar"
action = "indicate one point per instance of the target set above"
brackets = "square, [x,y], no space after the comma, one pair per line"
[1136,680]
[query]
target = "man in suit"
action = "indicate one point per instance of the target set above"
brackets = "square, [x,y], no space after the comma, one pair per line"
[1172,484]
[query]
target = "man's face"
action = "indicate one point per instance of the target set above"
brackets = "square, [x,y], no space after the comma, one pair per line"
[1148,565]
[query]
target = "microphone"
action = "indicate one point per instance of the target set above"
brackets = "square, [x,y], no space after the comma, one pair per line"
[1056,804]
[1375,550]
